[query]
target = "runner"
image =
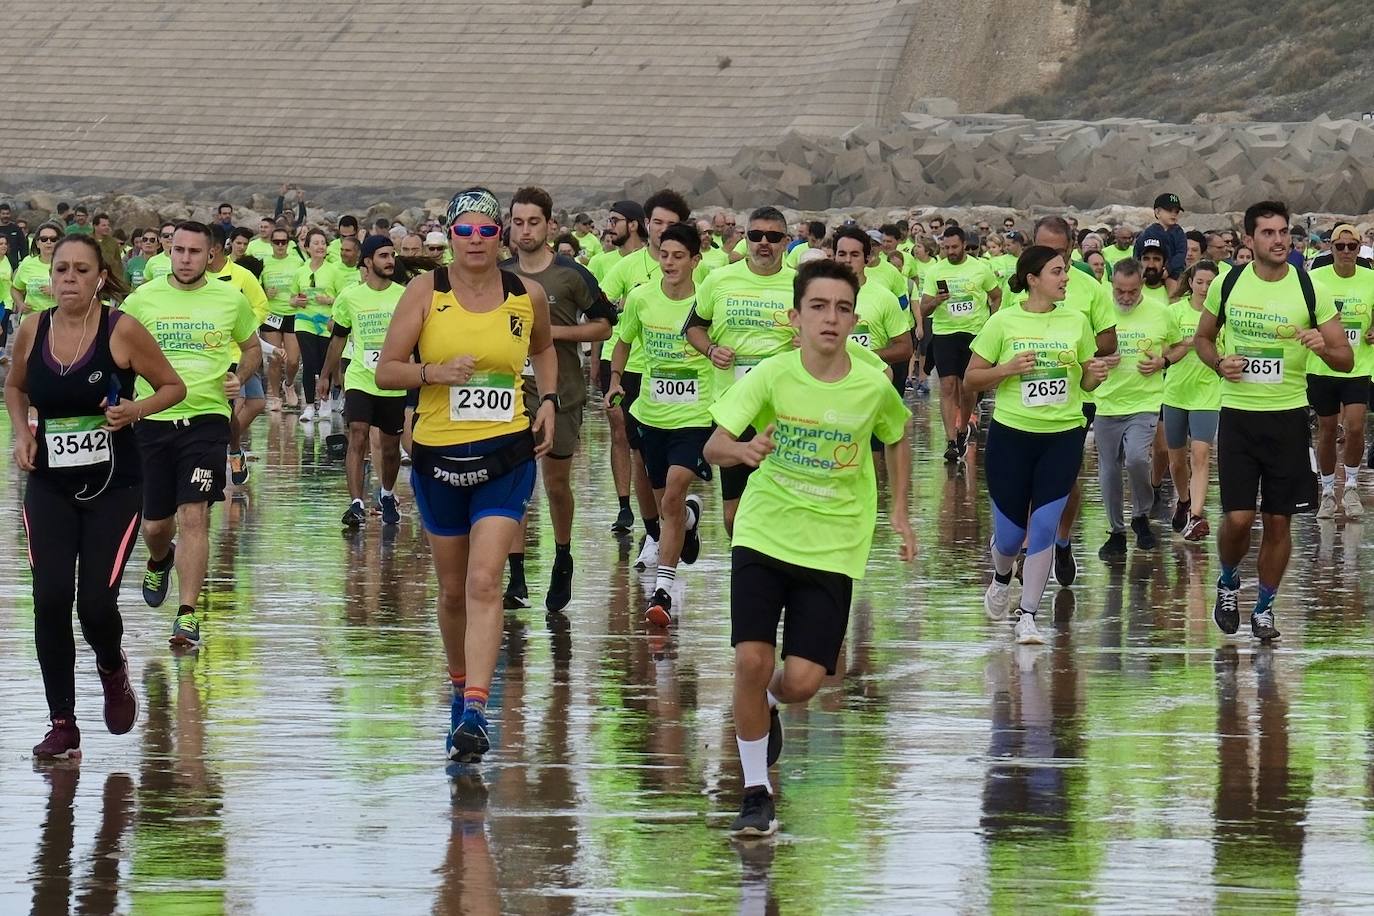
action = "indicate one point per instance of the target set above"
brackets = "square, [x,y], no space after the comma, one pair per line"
[573,294]
[1192,401]
[348,231]
[32,282]
[959,293]
[661,210]
[313,303]
[1128,406]
[739,320]
[279,329]
[1273,315]
[1341,399]
[1152,268]
[261,246]
[145,246]
[6,278]
[252,396]
[75,365]
[674,413]
[473,325]
[183,448]
[362,315]
[805,526]
[883,326]
[160,264]
[1040,357]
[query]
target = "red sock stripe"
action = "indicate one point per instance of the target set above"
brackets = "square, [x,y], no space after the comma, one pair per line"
[458,678]
[477,693]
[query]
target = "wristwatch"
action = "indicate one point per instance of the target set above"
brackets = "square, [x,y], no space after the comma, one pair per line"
[551,397]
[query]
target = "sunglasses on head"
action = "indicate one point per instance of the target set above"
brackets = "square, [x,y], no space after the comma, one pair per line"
[1346,246]
[772,235]
[465,230]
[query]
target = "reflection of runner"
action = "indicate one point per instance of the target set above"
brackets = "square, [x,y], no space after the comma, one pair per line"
[75,365]
[472,326]
[805,524]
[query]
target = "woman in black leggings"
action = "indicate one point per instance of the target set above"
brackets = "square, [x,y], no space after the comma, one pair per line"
[75,365]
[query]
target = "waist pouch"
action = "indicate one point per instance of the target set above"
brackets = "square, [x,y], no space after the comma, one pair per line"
[461,472]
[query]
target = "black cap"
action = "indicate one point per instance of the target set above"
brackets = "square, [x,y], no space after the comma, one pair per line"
[1015,235]
[629,209]
[375,243]
[1168,202]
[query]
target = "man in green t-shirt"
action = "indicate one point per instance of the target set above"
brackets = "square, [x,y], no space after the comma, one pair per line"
[883,326]
[1274,316]
[197,323]
[805,526]
[362,314]
[1341,399]
[959,293]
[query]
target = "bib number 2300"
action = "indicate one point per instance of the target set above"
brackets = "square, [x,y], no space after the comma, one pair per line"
[484,399]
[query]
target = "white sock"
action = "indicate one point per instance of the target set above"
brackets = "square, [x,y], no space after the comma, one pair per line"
[753,757]
[772,700]
[667,575]
[386,492]
[1328,484]
[358,502]
[1352,476]
[692,522]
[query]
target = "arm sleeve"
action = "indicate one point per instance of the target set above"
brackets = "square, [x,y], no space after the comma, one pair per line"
[595,305]
[629,326]
[988,343]
[1103,309]
[245,324]
[343,315]
[744,401]
[890,424]
[1087,345]
[1178,255]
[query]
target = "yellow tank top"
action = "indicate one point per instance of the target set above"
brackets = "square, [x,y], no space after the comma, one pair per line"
[489,405]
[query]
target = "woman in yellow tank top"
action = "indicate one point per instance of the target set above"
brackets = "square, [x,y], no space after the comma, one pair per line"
[473,462]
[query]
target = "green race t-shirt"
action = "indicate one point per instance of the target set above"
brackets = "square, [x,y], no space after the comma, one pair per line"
[600,265]
[1085,294]
[1262,323]
[894,280]
[6,275]
[1354,300]
[158,266]
[197,331]
[313,317]
[589,244]
[1158,294]
[278,281]
[633,270]
[367,312]
[676,390]
[340,278]
[966,309]
[1189,384]
[814,500]
[749,314]
[1048,399]
[881,317]
[30,279]
[1111,254]
[1141,332]
[259,248]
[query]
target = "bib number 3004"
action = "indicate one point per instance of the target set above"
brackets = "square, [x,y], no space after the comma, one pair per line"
[673,390]
[482,400]
[76,442]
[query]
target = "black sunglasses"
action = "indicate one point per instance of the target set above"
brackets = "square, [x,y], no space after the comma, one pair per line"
[47,238]
[280,241]
[772,235]
[149,238]
[1346,246]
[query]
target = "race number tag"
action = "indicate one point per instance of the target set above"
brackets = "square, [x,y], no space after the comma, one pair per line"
[961,307]
[745,365]
[273,322]
[1045,388]
[371,358]
[76,442]
[673,386]
[862,337]
[528,371]
[1352,333]
[487,397]
[1262,367]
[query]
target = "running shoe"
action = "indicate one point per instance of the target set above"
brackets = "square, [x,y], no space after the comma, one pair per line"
[1350,503]
[185,632]
[997,600]
[1262,626]
[691,541]
[405,458]
[660,610]
[922,390]
[757,816]
[1065,566]
[1226,611]
[62,742]
[648,554]
[951,452]
[1196,529]
[469,741]
[238,468]
[1144,535]
[965,434]
[1114,546]
[336,405]
[624,521]
[517,595]
[1180,519]
[1327,509]
[354,516]
[290,400]
[157,577]
[559,594]
[121,703]
[308,413]
[774,736]
[390,514]
[1026,632]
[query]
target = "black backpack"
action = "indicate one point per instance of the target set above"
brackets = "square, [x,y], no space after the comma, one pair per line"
[1309,294]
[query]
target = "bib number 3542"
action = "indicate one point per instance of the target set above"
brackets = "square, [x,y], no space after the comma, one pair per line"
[485,398]
[76,442]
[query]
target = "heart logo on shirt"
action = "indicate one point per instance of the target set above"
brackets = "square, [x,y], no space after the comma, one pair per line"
[1144,347]
[781,318]
[846,456]
[1067,357]
[1286,330]
[214,340]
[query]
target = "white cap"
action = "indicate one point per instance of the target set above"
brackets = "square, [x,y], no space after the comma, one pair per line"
[435,239]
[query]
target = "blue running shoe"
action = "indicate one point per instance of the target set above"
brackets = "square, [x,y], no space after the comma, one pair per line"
[468,742]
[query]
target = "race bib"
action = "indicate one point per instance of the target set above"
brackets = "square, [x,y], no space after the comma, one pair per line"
[371,358]
[960,307]
[670,386]
[1045,388]
[76,442]
[273,322]
[528,371]
[487,397]
[1262,367]
[862,337]
[745,365]
[1353,333]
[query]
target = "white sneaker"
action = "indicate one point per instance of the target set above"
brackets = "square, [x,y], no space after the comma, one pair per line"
[1350,503]
[336,405]
[1027,633]
[997,600]
[1327,509]
[307,413]
[648,555]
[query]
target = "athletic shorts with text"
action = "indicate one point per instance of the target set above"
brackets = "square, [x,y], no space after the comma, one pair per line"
[183,462]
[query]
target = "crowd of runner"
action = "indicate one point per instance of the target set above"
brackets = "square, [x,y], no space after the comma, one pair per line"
[776,359]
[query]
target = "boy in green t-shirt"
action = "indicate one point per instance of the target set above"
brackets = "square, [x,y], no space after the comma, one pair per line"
[805,523]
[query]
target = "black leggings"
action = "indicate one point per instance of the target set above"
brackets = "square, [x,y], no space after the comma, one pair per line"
[314,348]
[101,533]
